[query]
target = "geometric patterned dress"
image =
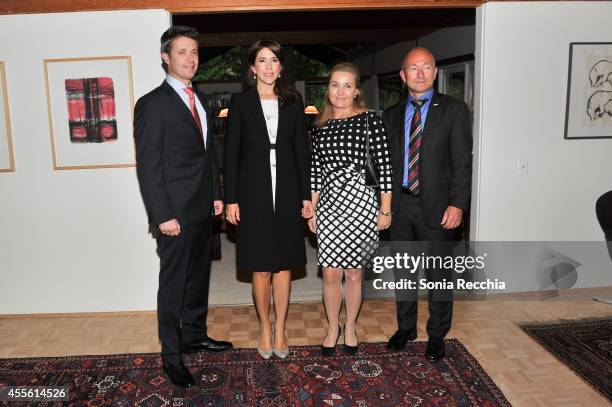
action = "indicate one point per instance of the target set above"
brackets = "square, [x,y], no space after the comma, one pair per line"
[347,209]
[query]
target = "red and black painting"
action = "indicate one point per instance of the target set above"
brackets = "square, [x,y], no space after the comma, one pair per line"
[91,110]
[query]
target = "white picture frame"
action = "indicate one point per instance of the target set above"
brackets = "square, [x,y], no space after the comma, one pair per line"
[90,123]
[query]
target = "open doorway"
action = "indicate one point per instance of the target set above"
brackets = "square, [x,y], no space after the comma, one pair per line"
[314,41]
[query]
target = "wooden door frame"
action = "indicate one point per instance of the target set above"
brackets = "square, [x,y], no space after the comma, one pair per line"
[223,6]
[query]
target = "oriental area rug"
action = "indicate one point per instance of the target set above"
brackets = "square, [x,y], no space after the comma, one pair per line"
[585,346]
[373,377]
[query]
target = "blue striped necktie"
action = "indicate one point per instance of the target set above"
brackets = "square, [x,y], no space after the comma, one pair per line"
[414,146]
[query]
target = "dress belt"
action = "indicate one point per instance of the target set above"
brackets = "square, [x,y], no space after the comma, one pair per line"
[272,146]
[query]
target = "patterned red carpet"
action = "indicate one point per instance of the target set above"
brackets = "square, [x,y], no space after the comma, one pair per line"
[583,345]
[374,377]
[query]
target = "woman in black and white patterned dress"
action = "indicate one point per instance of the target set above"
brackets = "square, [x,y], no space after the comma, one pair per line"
[348,215]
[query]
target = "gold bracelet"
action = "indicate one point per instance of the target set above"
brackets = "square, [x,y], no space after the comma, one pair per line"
[386,213]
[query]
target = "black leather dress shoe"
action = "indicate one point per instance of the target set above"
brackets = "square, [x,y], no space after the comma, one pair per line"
[178,374]
[207,345]
[435,349]
[400,338]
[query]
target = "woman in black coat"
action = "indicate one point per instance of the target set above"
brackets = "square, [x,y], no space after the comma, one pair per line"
[267,188]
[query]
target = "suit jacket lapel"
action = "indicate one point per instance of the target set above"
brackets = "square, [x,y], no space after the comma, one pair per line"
[258,111]
[283,115]
[208,134]
[433,115]
[178,102]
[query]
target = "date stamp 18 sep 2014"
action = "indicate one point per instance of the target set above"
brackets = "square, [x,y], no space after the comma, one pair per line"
[34,393]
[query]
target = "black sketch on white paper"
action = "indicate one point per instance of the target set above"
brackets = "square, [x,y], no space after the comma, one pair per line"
[588,111]
[599,105]
[601,74]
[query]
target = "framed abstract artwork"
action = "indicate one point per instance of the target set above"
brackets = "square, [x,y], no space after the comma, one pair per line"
[90,102]
[588,113]
[7,159]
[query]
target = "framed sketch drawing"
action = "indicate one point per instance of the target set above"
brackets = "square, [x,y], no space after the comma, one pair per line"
[90,102]
[588,112]
[7,159]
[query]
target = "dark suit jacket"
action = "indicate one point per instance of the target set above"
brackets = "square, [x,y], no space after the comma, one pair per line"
[445,159]
[268,237]
[179,179]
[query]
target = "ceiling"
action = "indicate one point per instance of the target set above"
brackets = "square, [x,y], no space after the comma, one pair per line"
[328,36]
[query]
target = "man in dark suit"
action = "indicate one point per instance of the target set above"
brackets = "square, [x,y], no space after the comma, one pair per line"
[431,144]
[179,181]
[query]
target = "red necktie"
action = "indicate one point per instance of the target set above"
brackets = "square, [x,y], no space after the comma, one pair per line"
[192,107]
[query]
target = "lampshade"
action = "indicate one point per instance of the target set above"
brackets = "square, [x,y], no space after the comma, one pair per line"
[223,113]
[311,110]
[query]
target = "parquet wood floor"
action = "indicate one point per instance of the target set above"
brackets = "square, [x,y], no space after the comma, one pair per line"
[527,374]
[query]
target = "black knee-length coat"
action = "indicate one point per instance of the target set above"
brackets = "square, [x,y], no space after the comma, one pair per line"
[267,238]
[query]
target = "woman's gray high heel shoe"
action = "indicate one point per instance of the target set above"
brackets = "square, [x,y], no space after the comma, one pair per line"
[281,353]
[266,353]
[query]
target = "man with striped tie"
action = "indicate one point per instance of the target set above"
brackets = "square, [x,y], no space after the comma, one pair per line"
[431,154]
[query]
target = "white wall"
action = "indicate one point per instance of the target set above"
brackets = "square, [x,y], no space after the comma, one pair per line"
[76,241]
[524,55]
[521,75]
[73,241]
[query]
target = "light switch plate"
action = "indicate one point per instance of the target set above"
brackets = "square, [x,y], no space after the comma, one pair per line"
[522,167]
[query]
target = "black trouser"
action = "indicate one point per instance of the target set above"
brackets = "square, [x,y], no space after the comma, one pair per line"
[182,298]
[409,226]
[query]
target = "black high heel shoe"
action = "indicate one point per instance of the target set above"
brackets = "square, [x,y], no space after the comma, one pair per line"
[331,350]
[348,349]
